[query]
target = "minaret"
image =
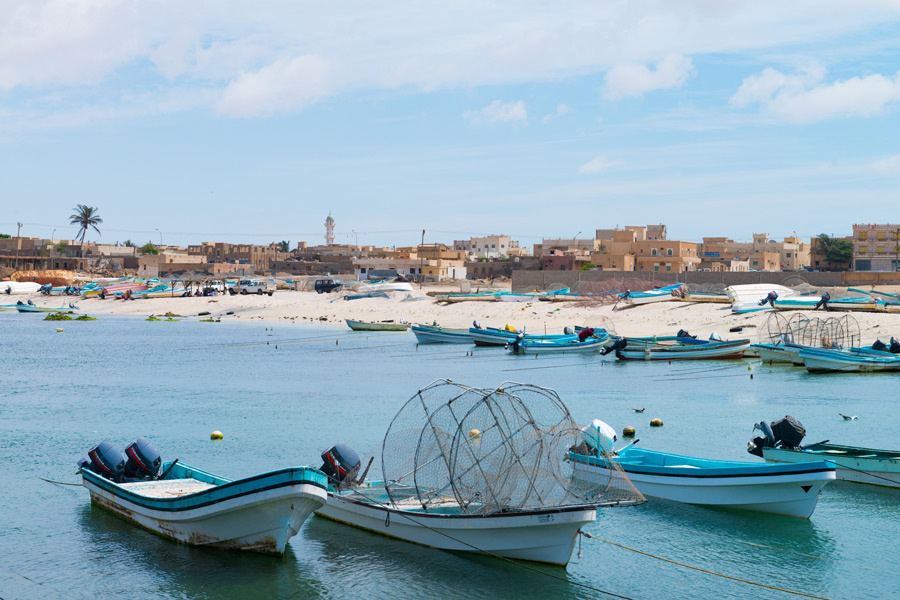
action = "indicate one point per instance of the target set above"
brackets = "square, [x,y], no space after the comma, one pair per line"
[329,231]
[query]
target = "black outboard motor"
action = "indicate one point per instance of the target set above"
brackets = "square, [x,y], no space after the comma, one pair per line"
[340,462]
[880,346]
[683,333]
[520,337]
[783,433]
[143,461]
[769,299]
[619,344]
[106,461]
[476,325]
[895,346]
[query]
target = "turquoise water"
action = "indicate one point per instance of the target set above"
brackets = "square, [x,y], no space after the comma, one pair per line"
[175,382]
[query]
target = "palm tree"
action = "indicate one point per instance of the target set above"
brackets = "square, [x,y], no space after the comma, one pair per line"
[85,216]
[284,246]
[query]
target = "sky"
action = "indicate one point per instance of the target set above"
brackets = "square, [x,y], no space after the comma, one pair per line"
[185,122]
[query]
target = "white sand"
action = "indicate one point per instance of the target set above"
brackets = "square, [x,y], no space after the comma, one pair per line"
[662,318]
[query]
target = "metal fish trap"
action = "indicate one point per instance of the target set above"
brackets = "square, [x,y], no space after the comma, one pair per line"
[462,450]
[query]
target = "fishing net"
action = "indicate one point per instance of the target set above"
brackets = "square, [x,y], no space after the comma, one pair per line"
[776,330]
[477,451]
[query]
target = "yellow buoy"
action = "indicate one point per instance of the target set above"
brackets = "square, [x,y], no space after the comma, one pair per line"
[474,433]
[59,329]
[216,435]
[656,423]
[628,432]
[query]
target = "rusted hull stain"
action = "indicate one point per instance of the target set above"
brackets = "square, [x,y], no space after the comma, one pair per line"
[263,544]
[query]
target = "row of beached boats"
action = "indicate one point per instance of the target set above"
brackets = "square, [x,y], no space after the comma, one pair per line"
[503,471]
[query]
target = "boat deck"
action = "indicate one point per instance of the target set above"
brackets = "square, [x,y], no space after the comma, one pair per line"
[168,488]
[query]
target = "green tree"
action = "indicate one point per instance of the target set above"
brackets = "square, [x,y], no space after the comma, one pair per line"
[149,248]
[85,217]
[129,243]
[836,250]
[61,247]
[4,236]
[587,266]
[284,245]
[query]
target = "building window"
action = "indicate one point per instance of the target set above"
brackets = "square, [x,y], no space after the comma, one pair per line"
[788,254]
[755,263]
[656,266]
[863,249]
[863,265]
[881,235]
[653,252]
[880,249]
[668,267]
[668,252]
[863,235]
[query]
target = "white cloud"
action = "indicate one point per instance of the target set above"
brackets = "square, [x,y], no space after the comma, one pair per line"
[805,97]
[627,80]
[561,111]
[887,166]
[286,85]
[498,112]
[601,163]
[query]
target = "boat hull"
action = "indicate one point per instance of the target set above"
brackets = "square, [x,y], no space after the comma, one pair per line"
[710,351]
[856,465]
[819,360]
[792,491]
[367,326]
[565,346]
[546,536]
[259,516]
[438,335]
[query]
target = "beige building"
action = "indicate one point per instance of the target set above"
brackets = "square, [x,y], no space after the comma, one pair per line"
[259,258]
[492,246]
[666,256]
[762,254]
[876,247]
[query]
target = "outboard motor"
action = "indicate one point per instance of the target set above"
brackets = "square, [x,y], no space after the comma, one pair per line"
[715,337]
[568,331]
[105,461]
[895,346]
[143,461]
[8,289]
[685,334]
[769,299]
[476,325]
[340,462]
[599,437]
[880,346]
[520,337]
[783,433]
[619,344]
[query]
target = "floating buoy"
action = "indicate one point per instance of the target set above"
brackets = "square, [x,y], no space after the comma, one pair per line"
[474,434]
[628,431]
[656,423]
[216,435]
[59,330]
[749,368]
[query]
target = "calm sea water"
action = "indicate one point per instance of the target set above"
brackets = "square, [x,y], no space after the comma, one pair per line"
[174,382]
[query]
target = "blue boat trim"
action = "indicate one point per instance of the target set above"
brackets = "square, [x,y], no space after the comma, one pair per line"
[433,515]
[760,470]
[216,494]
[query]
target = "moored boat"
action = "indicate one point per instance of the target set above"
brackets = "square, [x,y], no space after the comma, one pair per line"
[711,350]
[823,360]
[567,344]
[435,334]
[258,514]
[523,504]
[780,489]
[492,336]
[376,326]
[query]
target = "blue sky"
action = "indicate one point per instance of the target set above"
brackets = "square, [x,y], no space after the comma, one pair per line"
[228,121]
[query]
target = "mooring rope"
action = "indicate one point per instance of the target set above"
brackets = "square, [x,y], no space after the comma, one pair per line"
[707,571]
[59,482]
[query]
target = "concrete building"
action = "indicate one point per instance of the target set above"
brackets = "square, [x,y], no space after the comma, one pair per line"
[574,247]
[258,258]
[818,259]
[762,254]
[492,246]
[666,256]
[876,247]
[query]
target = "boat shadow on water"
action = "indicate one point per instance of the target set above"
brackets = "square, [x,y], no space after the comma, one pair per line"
[183,571]
[354,555]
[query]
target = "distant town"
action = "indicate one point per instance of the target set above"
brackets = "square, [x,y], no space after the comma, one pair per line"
[642,248]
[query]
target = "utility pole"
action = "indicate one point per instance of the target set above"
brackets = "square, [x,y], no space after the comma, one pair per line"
[18,244]
[421,259]
[897,249]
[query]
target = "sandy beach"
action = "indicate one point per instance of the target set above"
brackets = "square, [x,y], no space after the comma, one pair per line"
[662,318]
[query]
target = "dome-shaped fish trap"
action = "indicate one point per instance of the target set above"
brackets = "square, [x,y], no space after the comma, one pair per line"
[463,450]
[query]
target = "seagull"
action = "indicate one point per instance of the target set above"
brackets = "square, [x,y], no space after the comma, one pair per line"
[848,417]
[638,410]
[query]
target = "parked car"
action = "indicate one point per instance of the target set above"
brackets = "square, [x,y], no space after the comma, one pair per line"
[327,285]
[255,286]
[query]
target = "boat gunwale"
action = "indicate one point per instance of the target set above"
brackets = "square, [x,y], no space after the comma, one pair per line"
[760,469]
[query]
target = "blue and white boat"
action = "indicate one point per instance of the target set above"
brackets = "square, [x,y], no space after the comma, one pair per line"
[435,334]
[662,294]
[568,344]
[492,336]
[780,489]
[258,514]
[857,360]
[683,350]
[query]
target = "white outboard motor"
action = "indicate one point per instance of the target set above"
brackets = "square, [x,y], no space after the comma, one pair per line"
[600,435]
[715,337]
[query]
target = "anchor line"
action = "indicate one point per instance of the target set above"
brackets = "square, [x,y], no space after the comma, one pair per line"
[708,572]
[869,473]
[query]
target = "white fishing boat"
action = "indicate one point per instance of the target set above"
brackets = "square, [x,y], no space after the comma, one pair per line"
[754,292]
[822,360]
[663,294]
[435,334]
[19,287]
[377,325]
[475,470]
[257,514]
[567,344]
[780,489]
[382,286]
